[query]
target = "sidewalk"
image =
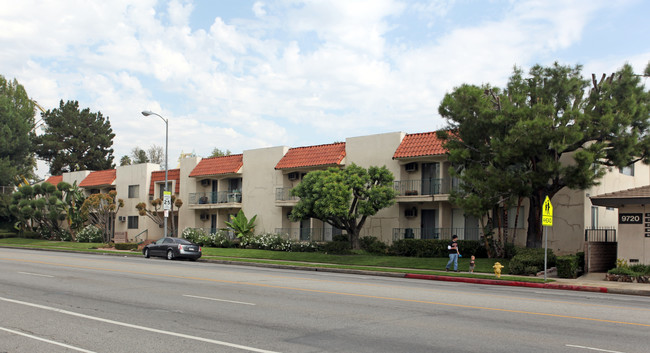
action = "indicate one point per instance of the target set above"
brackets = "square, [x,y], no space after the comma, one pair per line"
[591,282]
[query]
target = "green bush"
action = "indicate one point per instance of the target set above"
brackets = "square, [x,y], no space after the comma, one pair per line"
[337,248]
[641,270]
[90,234]
[434,248]
[568,266]
[126,246]
[530,261]
[622,270]
[373,245]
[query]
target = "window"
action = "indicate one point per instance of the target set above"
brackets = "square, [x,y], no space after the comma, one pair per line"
[162,188]
[627,170]
[132,222]
[594,217]
[134,190]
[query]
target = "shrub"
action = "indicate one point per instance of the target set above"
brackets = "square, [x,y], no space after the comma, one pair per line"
[90,234]
[622,270]
[568,266]
[530,261]
[337,248]
[434,248]
[193,235]
[126,246]
[373,245]
[640,269]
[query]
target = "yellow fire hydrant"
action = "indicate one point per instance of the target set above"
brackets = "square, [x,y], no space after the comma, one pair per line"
[497,269]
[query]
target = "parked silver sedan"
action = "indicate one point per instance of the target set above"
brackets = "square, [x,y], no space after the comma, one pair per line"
[172,248]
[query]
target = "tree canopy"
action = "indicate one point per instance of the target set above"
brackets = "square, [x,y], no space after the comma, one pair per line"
[16,124]
[219,153]
[541,133]
[75,139]
[344,198]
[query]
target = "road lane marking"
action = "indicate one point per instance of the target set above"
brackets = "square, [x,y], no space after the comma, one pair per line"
[46,340]
[138,327]
[390,286]
[217,300]
[338,293]
[592,348]
[35,274]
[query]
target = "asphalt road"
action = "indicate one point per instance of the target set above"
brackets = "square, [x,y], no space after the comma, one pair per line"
[62,302]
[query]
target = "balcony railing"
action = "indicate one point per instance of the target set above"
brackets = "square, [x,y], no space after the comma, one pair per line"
[425,186]
[203,198]
[607,235]
[437,233]
[284,194]
[308,234]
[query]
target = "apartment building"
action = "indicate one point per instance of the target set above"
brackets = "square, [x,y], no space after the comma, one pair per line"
[259,181]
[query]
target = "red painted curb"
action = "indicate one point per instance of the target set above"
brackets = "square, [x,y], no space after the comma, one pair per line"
[508,283]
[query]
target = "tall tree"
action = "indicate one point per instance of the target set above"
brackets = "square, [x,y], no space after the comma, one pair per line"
[219,153]
[16,124]
[155,213]
[344,198]
[101,210]
[544,132]
[138,155]
[125,160]
[75,139]
[156,154]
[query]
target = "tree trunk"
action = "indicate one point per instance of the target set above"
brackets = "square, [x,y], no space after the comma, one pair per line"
[534,235]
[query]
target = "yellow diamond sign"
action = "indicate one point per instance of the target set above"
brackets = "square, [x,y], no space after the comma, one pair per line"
[547,213]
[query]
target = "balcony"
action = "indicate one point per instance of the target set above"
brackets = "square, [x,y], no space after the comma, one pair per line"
[437,233]
[308,234]
[218,199]
[424,189]
[283,197]
[446,233]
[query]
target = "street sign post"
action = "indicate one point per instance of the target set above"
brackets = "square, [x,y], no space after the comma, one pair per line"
[547,221]
[167,200]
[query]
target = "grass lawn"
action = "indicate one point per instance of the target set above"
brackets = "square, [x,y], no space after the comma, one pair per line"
[357,261]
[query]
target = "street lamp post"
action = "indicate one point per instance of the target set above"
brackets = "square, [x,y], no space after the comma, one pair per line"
[147,113]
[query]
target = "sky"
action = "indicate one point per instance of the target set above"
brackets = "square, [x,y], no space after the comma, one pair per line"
[240,74]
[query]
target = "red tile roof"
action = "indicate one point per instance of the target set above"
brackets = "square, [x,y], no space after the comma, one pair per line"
[159,175]
[99,178]
[54,179]
[321,155]
[418,145]
[218,165]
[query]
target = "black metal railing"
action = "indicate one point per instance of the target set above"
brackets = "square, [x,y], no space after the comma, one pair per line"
[308,234]
[200,198]
[607,235]
[433,186]
[284,194]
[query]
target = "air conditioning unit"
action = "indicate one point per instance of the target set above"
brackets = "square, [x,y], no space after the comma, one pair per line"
[205,216]
[122,218]
[411,212]
[411,167]
[205,182]
[293,176]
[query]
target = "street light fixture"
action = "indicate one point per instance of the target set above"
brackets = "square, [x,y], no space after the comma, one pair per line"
[147,113]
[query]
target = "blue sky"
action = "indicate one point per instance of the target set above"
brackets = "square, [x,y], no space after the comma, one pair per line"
[240,75]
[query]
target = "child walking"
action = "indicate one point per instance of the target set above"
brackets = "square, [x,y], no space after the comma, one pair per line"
[471,264]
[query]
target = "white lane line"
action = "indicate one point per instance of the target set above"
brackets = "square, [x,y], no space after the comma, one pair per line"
[143,328]
[35,274]
[592,348]
[45,340]
[217,300]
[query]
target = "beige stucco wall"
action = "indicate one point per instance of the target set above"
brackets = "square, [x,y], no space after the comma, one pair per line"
[633,244]
[137,174]
[187,217]
[377,150]
[78,176]
[259,181]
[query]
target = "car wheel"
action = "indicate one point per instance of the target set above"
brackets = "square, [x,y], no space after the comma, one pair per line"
[146,253]
[170,255]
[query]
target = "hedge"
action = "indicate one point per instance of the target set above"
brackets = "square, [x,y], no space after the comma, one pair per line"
[435,248]
[126,246]
[568,266]
[530,261]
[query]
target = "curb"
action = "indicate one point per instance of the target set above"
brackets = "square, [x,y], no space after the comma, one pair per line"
[517,283]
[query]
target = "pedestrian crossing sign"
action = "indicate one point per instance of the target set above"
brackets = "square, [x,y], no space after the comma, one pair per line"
[547,213]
